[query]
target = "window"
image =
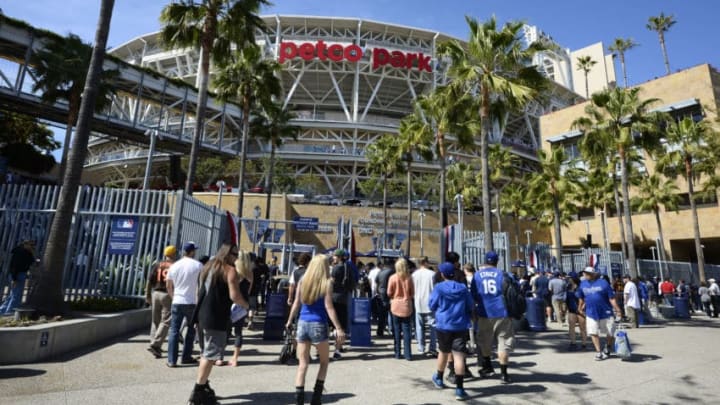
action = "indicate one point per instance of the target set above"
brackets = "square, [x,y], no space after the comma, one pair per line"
[684,203]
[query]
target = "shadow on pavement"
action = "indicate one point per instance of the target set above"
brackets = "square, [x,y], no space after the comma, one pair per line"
[278,398]
[7,373]
[641,358]
[534,377]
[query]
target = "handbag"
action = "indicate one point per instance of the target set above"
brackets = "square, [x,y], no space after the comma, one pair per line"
[622,344]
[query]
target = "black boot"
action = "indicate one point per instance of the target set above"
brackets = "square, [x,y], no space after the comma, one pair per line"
[317,393]
[487,369]
[300,395]
[202,395]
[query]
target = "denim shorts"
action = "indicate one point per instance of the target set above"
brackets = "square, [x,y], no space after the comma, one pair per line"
[215,341]
[313,332]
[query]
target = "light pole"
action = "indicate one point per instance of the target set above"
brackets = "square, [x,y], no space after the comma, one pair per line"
[220,185]
[152,133]
[256,215]
[422,216]
[459,199]
[528,232]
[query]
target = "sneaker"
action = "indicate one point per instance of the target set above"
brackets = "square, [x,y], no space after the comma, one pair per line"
[460,394]
[606,351]
[191,360]
[486,372]
[506,379]
[155,351]
[600,356]
[337,355]
[437,381]
[572,347]
[433,353]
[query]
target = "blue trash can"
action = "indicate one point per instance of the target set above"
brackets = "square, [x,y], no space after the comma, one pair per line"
[275,317]
[682,307]
[360,322]
[535,314]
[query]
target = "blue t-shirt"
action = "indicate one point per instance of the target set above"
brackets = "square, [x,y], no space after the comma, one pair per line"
[487,292]
[541,286]
[597,295]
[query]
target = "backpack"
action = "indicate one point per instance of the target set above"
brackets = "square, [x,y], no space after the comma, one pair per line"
[513,298]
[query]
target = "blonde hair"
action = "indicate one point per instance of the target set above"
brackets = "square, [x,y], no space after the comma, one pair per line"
[402,269]
[315,281]
[242,265]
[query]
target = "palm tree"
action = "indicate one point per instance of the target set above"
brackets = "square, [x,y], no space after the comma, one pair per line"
[495,67]
[413,141]
[47,296]
[442,112]
[514,201]
[585,63]
[598,191]
[653,192]
[662,24]
[273,125]
[214,26]
[252,80]
[61,69]
[619,47]
[619,121]
[504,167]
[693,151]
[553,185]
[382,160]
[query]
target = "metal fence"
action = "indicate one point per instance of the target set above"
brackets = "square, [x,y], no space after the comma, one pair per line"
[473,250]
[92,267]
[676,270]
[609,261]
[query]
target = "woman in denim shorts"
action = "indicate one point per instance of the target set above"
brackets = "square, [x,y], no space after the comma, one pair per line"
[313,299]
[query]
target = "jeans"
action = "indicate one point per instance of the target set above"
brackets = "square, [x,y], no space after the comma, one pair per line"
[402,324]
[14,299]
[423,322]
[178,312]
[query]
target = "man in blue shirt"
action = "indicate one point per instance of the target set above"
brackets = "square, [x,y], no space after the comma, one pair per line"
[494,322]
[597,301]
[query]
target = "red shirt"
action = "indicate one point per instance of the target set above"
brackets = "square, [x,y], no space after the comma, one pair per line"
[667,287]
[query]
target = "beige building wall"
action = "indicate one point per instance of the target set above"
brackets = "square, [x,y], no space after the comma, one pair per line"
[700,82]
[367,222]
[602,74]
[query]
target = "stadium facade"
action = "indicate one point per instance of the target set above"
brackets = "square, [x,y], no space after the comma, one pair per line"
[349,81]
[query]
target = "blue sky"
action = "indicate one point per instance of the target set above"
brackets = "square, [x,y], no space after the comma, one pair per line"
[573,24]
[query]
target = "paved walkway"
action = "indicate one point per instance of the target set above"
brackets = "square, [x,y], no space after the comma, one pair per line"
[673,363]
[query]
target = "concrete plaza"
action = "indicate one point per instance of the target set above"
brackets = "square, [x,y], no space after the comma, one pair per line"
[672,363]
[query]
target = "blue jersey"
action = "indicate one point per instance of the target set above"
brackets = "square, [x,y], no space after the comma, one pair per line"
[597,295]
[487,291]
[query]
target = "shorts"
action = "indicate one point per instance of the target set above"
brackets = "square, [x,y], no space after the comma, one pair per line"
[454,341]
[214,344]
[595,326]
[491,328]
[313,332]
[548,300]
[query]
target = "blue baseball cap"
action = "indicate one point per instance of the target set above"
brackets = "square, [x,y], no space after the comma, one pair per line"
[189,246]
[447,269]
[491,257]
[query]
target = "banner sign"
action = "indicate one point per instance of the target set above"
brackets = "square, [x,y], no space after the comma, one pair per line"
[123,234]
[306,223]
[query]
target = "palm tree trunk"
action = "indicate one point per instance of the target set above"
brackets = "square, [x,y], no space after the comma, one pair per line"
[243,157]
[199,115]
[74,106]
[621,226]
[661,251]
[517,235]
[486,128]
[604,227]
[409,203]
[47,296]
[268,189]
[628,215]
[696,223]
[558,233]
[622,63]
[385,211]
[664,51]
[587,86]
[443,204]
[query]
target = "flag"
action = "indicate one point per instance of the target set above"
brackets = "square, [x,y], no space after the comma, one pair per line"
[594,260]
[533,259]
[233,228]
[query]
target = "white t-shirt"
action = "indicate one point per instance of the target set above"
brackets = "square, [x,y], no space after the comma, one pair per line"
[184,274]
[423,284]
[631,292]
[372,276]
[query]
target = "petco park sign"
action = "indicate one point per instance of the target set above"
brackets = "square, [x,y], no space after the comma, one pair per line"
[353,53]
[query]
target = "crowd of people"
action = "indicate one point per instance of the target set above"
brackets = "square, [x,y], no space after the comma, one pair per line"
[454,312]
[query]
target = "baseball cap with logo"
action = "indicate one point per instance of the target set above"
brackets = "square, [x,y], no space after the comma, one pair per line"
[590,270]
[447,269]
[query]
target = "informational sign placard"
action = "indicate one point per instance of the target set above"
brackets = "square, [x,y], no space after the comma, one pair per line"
[123,235]
[306,223]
